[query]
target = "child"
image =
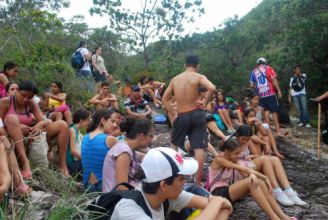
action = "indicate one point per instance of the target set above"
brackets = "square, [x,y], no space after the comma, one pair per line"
[297,93]
[226,179]
[56,103]
[81,118]
[271,166]
[10,70]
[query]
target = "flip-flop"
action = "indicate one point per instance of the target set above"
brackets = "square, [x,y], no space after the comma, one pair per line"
[27,174]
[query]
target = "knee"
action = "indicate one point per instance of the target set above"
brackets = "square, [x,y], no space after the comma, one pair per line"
[11,120]
[274,159]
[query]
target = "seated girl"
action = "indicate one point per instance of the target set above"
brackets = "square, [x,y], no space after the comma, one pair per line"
[260,135]
[229,180]
[55,102]
[80,121]
[104,99]
[10,70]
[22,117]
[219,106]
[271,166]
[122,160]
[95,145]
[259,113]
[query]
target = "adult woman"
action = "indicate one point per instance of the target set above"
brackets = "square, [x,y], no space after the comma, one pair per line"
[99,71]
[55,102]
[226,178]
[10,70]
[22,117]
[122,159]
[95,145]
[11,89]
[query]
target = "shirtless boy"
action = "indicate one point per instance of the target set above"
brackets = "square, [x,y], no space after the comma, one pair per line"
[190,120]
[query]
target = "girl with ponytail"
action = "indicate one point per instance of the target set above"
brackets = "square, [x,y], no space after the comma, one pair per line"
[95,145]
[122,160]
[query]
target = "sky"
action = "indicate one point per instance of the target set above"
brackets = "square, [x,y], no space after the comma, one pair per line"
[216,11]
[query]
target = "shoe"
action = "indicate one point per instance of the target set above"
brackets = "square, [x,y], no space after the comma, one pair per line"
[283,199]
[300,124]
[294,197]
[308,125]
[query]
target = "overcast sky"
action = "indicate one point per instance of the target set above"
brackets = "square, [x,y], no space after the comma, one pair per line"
[216,11]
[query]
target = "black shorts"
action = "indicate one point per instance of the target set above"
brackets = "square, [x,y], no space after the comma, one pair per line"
[270,103]
[209,116]
[222,191]
[193,125]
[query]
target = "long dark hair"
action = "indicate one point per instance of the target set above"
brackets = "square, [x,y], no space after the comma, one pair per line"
[96,119]
[8,66]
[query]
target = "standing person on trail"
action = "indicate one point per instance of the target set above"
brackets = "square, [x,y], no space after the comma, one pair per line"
[85,72]
[191,120]
[263,79]
[297,94]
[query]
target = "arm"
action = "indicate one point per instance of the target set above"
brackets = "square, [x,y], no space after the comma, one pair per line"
[110,141]
[167,96]
[73,150]
[60,98]
[148,112]
[95,100]
[4,79]
[94,62]
[122,163]
[132,114]
[212,150]
[276,85]
[323,96]
[210,88]
[4,105]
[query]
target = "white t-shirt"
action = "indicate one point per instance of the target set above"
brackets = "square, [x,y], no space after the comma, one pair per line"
[294,93]
[127,209]
[85,51]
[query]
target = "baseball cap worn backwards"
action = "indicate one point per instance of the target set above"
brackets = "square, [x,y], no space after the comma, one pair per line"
[135,88]
[261,61]
[162,163]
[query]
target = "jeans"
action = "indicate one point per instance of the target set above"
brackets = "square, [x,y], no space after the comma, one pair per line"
[300,103]
[87,80]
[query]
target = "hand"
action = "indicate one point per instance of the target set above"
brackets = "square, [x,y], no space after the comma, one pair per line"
[267,149]
[47,95]
[25,129]
[267,182]
[318,99]
[35,131]
[289,99]
[226,204]
[253,179]
[249,157]
[279,94]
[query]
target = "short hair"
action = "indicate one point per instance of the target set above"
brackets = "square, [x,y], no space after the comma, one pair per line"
[104,84]
[82,43]
[28,86]
[80,114]
[192,60]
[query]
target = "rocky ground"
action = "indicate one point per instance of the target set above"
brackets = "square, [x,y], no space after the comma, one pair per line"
[308,175]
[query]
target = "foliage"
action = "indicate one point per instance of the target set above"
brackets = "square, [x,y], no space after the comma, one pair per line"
[156,19]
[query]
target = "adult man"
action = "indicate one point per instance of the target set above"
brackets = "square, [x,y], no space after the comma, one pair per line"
[190,120]
[263,79]
[322,97]
[105,99]
[136,106]
[163,180]
[85,72]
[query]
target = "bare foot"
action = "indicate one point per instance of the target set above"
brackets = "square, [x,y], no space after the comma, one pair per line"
[279,155]
[64,171]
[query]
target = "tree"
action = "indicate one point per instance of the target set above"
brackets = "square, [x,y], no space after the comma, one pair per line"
[157,19]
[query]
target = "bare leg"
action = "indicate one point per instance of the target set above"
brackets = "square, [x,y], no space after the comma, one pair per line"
[264,165]
[274,145]
[15,133]
[199,156]
[276,123]
[243,187]
[254,148]
[221,114]
[280,172]
[273,203]
[227,117]
[60,131]
[223,214]
[115,105]
[211,125]
[266,117]
[5,178]
[68,117]
[239,115]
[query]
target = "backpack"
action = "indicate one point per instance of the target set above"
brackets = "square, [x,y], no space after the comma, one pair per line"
[159,119]
[298,83]
[103,207]
[77,60]
[324,131]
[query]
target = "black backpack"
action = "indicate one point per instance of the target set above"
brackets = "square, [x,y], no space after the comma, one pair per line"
[103,207]
[77,60]
[298,83]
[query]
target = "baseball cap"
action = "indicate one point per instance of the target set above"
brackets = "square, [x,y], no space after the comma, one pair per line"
[135,88]
[162,162]
[261,61]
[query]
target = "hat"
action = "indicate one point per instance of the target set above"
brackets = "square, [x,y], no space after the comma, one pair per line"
[162,162]
[136,88]
[261,61]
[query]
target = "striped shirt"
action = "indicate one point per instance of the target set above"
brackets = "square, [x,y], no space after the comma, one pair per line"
[261,76]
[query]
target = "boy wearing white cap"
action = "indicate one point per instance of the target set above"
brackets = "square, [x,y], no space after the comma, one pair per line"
[163,179]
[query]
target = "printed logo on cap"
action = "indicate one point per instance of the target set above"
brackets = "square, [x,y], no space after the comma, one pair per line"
[179,158]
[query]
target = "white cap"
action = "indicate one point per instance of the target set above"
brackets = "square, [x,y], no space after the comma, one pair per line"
[162,162]
[261,61]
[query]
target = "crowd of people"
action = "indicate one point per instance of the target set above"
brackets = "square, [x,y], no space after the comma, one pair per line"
[107,147]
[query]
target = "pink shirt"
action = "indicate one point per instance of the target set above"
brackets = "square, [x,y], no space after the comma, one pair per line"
[109,169]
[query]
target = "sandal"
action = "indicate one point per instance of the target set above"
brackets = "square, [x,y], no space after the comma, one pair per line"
[23,190]
[26,174]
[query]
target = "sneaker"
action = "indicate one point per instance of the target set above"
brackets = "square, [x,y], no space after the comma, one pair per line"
[283,199]
[308,125]
[294,197]
[300,124]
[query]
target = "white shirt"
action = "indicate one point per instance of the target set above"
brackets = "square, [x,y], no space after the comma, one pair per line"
[292,91]
[84,51]
[127,209]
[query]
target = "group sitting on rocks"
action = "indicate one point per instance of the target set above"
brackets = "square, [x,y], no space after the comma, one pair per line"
[109,147]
